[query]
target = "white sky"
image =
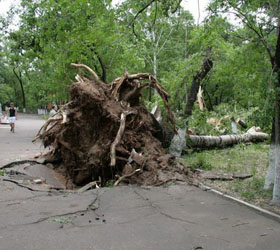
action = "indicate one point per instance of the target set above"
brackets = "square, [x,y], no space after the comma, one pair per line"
[191,5]
[5,5]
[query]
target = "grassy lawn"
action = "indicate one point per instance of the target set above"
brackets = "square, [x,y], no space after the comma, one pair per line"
[246,159]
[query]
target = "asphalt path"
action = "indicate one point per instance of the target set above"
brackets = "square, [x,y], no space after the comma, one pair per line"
[174,217]
[18,145]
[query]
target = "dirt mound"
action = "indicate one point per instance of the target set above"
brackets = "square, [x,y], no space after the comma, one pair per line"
[106,133]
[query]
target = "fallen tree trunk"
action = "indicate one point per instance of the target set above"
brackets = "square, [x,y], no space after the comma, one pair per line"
[196,141]
[105,132]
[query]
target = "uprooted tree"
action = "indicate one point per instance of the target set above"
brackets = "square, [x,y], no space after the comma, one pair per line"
[106,133]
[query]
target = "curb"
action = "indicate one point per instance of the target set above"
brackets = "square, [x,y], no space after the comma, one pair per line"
[260,210]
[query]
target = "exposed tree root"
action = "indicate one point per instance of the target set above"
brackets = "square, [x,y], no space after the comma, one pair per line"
[106,131]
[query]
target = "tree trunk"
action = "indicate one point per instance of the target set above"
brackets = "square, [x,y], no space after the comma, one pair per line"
[19,77]
[276,70]
[155,64]
[102,65]
[276,188]
[224,140]
[192,94]
[269,180]
[155,51]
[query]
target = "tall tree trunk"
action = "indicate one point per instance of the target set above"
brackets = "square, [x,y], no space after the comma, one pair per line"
[155,64]
[276,69]
[155,51]
[276,188]
[19,77]
[192,93]
[269,180]
[102,65]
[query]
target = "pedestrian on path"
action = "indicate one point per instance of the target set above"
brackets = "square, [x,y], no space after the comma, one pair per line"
[53,111]
[12,114]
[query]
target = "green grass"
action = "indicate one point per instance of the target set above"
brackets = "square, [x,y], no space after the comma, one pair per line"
[240,158]
[251,190]
[247,159]
[201,163]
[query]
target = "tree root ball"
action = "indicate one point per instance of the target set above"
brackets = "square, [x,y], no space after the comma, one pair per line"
[106,133]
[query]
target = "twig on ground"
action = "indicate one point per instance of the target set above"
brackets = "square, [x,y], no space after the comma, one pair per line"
[122,178]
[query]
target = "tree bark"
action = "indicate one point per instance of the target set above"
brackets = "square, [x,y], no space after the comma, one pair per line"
[19,77]
[276,188]
[192,94]
[102,65]
[224,140]
[276,69]
[269,180]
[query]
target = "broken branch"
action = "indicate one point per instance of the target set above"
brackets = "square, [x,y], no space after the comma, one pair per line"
[95,76]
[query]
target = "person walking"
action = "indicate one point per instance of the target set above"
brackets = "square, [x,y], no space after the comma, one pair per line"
[12,114]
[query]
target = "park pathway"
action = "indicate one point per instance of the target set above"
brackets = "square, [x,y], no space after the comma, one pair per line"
[18,145]
[175,217]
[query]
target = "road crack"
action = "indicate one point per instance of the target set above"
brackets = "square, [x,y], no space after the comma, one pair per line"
[158,209]
[91,207]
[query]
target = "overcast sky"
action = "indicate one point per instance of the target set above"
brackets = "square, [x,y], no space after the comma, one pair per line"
[5,5]
[191,5]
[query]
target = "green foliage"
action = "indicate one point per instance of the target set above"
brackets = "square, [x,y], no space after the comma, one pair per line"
[110,183]
[201,124]
[6,93]
[52,34]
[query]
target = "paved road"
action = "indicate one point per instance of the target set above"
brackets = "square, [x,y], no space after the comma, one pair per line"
[178,217]
[18,146]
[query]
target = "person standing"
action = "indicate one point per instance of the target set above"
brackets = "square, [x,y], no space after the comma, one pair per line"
[12,114]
